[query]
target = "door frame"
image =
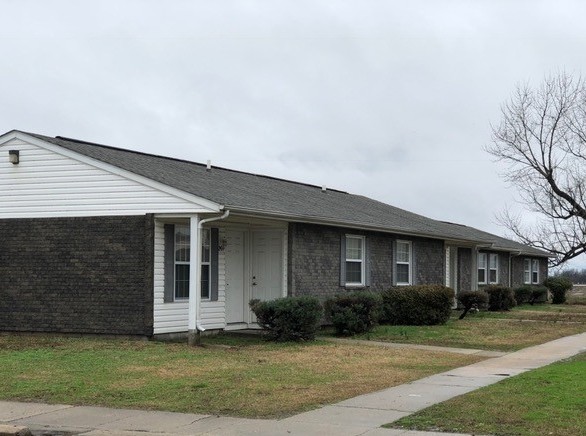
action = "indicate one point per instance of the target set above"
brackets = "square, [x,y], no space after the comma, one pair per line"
[248,268]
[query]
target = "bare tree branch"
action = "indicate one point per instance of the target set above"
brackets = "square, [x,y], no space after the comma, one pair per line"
[542,138]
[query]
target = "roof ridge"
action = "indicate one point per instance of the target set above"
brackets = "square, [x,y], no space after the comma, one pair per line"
[65,138]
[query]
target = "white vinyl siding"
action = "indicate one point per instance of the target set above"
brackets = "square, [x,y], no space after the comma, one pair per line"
[403,262]
[354,260]
[173,317]
[49,184]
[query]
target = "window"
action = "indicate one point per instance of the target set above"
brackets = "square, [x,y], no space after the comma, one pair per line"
[205,263]
[182,255]
[488,268]
[403,263]
[531,271]
[534,271]
[182,259]
[493,268]
[354,260]
[482,268]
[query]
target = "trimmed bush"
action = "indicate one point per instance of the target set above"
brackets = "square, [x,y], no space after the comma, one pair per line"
[558,286]
[500,298]
[289,319]
[530,294]
[417,305]
[472,299]
[353,313]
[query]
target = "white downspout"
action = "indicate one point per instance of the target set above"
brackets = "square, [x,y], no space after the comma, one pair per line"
[194,323]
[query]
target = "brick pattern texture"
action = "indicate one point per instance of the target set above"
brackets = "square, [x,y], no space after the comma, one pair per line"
[518,267]
[77,275]
[314,260]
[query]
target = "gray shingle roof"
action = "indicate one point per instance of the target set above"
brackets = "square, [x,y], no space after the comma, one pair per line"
[239,191]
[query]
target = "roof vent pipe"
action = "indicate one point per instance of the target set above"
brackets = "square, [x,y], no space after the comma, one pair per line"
[209,165]
[323,188]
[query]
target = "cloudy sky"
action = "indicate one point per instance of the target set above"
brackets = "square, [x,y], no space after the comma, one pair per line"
[389,99]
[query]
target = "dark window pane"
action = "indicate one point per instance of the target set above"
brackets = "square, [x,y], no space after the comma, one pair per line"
[535,278]
[402,273]
[205,281]
[481,276]
[492,275]
[353,272]
[181,281]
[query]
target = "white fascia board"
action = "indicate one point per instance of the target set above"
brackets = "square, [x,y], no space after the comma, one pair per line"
[8,136]
[208,204]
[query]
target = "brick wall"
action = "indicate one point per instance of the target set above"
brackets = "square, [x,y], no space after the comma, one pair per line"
[429,263]
[314,259]
[82,275]
[518,268]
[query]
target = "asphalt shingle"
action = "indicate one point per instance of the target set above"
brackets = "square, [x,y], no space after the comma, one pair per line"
[240,191]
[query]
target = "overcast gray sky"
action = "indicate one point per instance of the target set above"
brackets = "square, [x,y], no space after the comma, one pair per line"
[389,99]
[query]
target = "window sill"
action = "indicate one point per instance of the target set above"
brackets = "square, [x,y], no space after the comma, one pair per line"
[354,286]
[403,284]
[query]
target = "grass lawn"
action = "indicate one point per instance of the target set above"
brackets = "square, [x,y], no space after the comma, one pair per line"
[546,401]
[235,376]
[502,331]
[577,295]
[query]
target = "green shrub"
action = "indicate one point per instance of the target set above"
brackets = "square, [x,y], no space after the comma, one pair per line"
[530,294]
[472,299]
[417,305]
[500,298]
[558,286]
[353,313]
[289,319]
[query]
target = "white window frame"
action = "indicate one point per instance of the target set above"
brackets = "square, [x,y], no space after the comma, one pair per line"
[205,242]
[178,228]
[490,257]
[485,268]
[530,269]
[408,263]
[535,270]
[527,271]
[362,262]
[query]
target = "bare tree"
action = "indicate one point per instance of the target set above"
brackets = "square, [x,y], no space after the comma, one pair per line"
[542,138]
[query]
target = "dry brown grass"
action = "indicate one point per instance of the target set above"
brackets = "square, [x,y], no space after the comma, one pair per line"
[577,296]
[252,378]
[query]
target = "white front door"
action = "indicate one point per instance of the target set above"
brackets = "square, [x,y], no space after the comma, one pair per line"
[267,264]
[254,270]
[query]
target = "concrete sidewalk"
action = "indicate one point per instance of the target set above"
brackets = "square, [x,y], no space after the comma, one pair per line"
[361,415]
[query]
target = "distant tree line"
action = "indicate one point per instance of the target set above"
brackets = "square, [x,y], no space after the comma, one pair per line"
[573,274]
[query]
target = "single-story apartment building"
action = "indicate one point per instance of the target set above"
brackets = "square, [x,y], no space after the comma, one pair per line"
[98,239]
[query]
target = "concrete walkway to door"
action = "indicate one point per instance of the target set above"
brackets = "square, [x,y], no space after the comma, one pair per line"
[361,415]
